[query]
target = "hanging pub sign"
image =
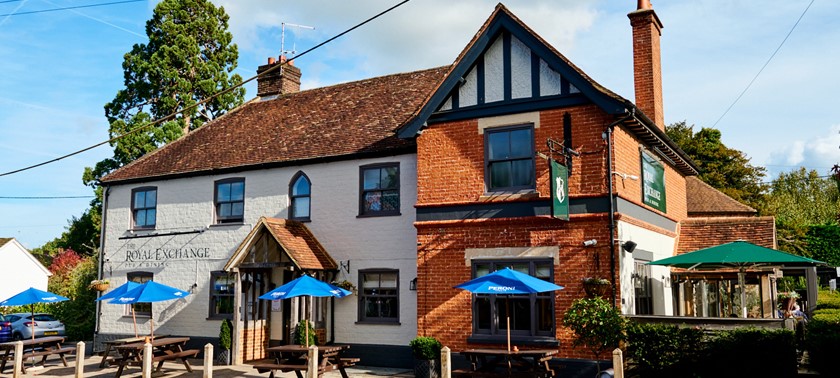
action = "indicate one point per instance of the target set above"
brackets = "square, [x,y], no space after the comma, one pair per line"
[653,182]
[559,190]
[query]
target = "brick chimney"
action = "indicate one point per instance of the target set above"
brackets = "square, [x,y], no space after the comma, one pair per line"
[647,65]
[281,81]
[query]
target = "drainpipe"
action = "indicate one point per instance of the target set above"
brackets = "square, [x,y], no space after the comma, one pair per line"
[607,135]
[101,264]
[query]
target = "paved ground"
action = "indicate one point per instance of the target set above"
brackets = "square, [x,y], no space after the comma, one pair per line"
[54,368]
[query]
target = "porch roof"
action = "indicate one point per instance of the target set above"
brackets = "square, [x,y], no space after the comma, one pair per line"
[295,240]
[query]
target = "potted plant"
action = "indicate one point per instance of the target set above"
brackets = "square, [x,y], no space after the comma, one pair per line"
[598,325]
[426,351]
[595,286]
[99,285]
[225,342]
[346,285]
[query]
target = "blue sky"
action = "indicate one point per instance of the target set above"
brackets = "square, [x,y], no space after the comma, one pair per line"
[58,69]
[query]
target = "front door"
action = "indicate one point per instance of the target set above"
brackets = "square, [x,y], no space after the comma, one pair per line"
[254,313]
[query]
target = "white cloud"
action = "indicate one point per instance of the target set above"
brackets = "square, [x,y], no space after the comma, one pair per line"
[819,153]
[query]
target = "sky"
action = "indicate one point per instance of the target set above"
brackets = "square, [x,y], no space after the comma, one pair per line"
[59,68]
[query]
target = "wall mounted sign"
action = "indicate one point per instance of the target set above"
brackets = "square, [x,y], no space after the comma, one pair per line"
[559,190]
[653,182]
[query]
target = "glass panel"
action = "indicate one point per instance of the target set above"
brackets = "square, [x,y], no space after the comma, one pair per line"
[224,305]
[224,210]
[520,143]
[500,174]
[301,207]
[237,209]
[545,315]
[520,314]
[481,270]
[151,198]
[389,307]
[521,174]
[498,145]
[371,177]
[483,309]
[388,280]
[223,192]
[140,218]
[543,272]
[373,201]
[301,187]
[390,200]
[139,199]
[151,214]
[389,178]
[237,191]
[370,281]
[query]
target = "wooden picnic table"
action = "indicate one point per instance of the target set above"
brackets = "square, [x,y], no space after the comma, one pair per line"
[513,363]
[110,344]
[38,347]
[295,358]
[163,349]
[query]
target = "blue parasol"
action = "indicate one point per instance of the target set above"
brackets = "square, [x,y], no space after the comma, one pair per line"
[119,291]
[148,292]
[507,281]
[305,286]
[30,297]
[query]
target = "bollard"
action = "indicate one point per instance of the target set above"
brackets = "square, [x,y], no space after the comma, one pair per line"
[208,361]
[618,363]
[147,360]
[80,359]
[312,369]
[445,362]
[18,359]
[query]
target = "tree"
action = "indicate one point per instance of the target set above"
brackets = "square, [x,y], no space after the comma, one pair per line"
[597,324]
[189,58]
[724,168]
[800,200]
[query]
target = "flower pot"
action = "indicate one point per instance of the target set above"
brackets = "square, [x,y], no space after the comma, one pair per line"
[100,287]
[596,289]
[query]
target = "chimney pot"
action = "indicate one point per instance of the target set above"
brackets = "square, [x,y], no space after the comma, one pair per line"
[644,4]
[271,60]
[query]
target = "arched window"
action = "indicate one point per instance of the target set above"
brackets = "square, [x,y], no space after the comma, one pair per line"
[300,194]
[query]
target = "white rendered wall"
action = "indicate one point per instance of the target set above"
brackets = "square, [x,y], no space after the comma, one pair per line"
[19,270]
[661,246]
[186,205]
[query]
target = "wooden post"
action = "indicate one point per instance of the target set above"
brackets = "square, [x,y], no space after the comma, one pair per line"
[618,363]
[208,361]
[445,363]
[312,369]
[147,360]
[80,359]
[18,360]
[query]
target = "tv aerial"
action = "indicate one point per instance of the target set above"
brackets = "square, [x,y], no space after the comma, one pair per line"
[283,25]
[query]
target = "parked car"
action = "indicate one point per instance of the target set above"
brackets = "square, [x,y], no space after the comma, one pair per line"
[5,329]
[45,325]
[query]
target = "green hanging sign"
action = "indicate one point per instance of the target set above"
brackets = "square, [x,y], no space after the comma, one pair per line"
[653,182]
[559,190]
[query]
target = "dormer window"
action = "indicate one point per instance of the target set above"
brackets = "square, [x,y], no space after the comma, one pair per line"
[300,195]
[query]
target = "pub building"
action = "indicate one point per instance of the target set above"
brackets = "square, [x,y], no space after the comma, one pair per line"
[402,186]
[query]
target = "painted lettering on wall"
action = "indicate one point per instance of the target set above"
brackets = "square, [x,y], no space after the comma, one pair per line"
[166,254]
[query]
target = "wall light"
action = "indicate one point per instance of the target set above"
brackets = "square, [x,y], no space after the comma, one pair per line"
[590,243]
[412,285]
[629,246]
[625,176]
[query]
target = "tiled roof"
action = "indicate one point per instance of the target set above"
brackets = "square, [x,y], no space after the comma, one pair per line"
[704,200]
[299,243]
[351,119]
[3,241]
[699,233]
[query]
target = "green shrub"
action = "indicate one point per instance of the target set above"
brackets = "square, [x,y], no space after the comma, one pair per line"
[750,352]
[598,325]
[300,333]
[425,348]
[659,350]
[225,331]
[828,299]
[822,340]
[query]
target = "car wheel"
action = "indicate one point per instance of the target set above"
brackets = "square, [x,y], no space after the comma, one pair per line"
[18,336]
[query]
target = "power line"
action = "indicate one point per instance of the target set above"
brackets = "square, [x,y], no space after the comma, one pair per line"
[765,64]
[225,91]
[68,8]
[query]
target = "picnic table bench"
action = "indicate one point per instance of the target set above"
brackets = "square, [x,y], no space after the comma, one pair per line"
[290,358]
[110,352]
[163,349]
[39,347]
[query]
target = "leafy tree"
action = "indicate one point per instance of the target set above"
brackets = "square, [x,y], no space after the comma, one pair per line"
[799,200]
[598,325]
[724,168]
[78,314]
[189,58]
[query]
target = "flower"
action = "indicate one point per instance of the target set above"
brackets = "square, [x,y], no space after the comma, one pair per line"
[596,280]
[346,285]
[94,283]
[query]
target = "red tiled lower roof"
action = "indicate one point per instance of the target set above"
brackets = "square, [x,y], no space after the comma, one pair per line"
[330,122]
[699,233]
[703,199]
